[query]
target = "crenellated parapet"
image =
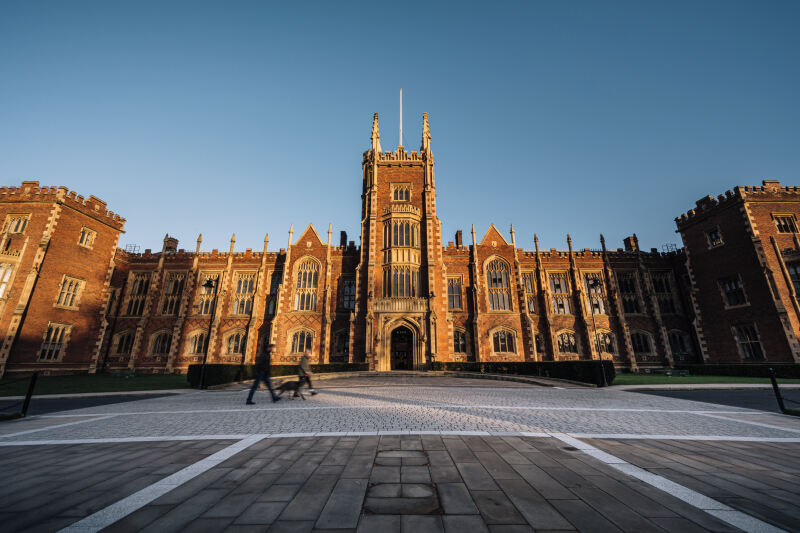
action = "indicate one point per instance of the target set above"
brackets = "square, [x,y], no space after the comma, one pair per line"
[30,191]
[768,191]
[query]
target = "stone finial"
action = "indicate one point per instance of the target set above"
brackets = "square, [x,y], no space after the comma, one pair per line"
[513,239]
[426,134]
[536,242]
[233,241]
[376,134]
[569,243]
[473,235]
[199,240]
[266,241]
[330,232]
[602,242]
[291,226]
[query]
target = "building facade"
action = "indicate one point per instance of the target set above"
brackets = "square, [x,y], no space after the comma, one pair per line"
[71,301]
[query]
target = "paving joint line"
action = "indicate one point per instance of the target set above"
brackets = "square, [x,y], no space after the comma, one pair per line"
[124,507]
[711,506]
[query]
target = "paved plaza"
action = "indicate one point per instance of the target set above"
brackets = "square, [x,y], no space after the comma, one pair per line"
[399,453]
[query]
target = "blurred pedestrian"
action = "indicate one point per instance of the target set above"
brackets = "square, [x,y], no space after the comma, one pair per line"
[304,371]
[262,371]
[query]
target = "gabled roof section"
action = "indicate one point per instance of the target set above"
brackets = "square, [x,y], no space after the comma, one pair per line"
[492,234]
[309,234]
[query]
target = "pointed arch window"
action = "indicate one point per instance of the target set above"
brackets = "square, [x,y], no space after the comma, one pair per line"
[162,343]
[236,343]
[497,282]
[503,342]
[306,294]
[243,297]
[198,344]
[301,341]
[567,343]
[124,344]
[459,341]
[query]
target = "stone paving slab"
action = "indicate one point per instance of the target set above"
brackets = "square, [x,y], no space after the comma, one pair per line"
[759,479]
[256,490]
[53,486]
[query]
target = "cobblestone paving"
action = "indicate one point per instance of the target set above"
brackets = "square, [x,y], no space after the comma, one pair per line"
[291,476]
[414,409]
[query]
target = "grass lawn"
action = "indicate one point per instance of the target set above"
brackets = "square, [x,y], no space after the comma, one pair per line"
[93,383]
[660,379]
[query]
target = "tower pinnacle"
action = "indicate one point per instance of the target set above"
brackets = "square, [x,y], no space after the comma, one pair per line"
[376,134]
[426,134]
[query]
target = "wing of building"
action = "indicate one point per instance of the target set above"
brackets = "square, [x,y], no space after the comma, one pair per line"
[71,301]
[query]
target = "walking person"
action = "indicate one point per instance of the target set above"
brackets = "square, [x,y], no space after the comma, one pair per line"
[262,368]
[304,372]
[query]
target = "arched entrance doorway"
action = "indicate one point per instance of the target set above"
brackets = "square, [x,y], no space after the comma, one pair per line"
[402,349]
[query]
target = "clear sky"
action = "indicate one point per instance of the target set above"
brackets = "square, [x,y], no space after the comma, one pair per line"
[562,116]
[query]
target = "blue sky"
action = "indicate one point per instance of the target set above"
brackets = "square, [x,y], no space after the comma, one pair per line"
[559,117]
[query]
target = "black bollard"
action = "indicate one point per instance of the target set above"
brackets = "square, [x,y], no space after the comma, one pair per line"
[28,395]
[777,390]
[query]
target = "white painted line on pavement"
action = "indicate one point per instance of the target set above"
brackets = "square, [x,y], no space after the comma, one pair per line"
[632,436]
[94,418]
[759,424]
[117,511]
[693,498]
[398,405]
[682,437]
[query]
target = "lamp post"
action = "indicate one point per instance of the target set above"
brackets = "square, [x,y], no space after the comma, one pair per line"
[209,284]
[594,284]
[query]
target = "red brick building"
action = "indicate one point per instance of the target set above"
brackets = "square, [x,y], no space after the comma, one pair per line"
[401,298]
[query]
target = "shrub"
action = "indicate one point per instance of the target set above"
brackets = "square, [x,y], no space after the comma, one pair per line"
[583,371]
[219,374]
[755,370]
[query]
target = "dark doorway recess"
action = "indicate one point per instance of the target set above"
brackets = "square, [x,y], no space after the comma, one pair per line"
[402,349]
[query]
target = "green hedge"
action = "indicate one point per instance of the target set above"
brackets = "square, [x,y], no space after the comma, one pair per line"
[583,371]
[218,374]
[755,370]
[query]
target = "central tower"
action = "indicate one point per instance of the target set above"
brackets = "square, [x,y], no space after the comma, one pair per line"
[400,270]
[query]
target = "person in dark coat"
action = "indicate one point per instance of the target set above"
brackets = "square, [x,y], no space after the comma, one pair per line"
[262,368]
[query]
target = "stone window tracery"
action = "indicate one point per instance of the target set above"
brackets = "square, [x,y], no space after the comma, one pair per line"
[6,269]
[55,341]
[306,292]
[459,341]
[173,290]
[197,343]
[205,297]
[301,341]
[161,343]
[16,223]
[679,344]
[454,293]
[733,291]
[785,223]
[559,293]
[243,295]
[629,292]
[349,293]
[69,292]
[503,342]
[401,282]
[567,343]
[86,237]
[595,293]
[641,343]
[275,283]
[124,343]
[662,285]
[746,336]
[530,297]
[236,343]
[498,285]
[138,293]
[401,193]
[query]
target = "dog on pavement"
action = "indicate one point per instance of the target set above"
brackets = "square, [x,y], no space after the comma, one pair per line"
[291,386]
